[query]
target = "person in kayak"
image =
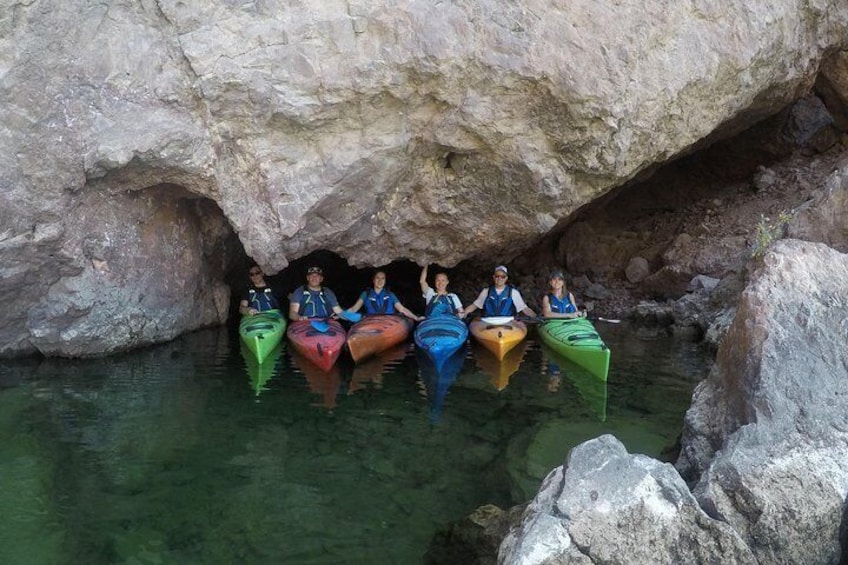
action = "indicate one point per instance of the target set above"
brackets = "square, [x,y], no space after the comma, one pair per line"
[559,302]
[259,296]
[313,300]
[500,299]
[439,301]
[379,300]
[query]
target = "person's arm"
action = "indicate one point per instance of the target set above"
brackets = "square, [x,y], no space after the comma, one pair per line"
[460,311]
[407,312]
[520,305]
[358,304]
[578,313]
[294,306]
[481,300]
[245,310]
[423,280]
[332,301]
[546,308]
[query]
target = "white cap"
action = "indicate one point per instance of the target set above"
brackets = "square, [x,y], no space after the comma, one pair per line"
[501,268]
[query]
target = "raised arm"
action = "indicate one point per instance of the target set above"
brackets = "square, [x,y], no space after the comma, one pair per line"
[423,280]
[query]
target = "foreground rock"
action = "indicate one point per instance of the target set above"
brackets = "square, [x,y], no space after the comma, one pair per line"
[765,445]
[607,506]
[361,128]
[766,438]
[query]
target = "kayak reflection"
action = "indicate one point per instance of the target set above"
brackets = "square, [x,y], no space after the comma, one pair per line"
[437,379]
[370,373]
[324,383]
[590,387]
[499,372]
[260,373]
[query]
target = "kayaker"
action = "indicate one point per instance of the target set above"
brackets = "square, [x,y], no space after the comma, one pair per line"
[259,296]
[379,300]
[500,299]
[439,301]
[559,302]
[313,300]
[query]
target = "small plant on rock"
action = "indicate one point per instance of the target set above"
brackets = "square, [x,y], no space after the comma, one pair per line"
[768,231]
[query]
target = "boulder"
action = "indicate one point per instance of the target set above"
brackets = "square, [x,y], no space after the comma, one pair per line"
[607,506]
[766,439]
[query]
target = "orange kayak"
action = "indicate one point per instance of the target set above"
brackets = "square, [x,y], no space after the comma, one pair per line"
[498,339]
[374,334]
[320,347]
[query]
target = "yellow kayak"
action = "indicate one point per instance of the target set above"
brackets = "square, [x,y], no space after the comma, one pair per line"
[497,334]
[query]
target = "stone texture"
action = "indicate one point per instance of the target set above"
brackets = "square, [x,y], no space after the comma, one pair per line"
[607,506]
[637,269]
[766,439]
[378,130]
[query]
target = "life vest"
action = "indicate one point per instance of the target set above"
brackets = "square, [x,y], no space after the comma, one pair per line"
[313,304]
[500,305]
[561,305]
[440,304]
[382,303]
[262,300]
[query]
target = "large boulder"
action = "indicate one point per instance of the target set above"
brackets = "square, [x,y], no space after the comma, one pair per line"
[766,438]
[608,506]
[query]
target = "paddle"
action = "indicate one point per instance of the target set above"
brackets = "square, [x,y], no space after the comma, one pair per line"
[320,325]
[540,320]
[350,316]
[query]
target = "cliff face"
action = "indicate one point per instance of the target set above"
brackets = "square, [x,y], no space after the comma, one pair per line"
[161,129]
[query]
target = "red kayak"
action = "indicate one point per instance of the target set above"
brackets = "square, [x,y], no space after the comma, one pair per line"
[374,334]
[321,342]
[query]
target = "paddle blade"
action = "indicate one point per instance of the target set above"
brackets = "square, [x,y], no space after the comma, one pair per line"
[320,325]
[350,316]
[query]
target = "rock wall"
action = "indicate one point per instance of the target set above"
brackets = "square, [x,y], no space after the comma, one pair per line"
[378,130]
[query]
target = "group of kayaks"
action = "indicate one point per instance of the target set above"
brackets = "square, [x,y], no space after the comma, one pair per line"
[322,341]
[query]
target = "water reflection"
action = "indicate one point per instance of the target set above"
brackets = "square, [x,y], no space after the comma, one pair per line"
[259,374]
[164,455]
[591,388]
[370,373]
[436,380]
[326,384]
[499,372]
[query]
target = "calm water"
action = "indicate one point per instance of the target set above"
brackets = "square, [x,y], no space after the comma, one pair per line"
[184,454]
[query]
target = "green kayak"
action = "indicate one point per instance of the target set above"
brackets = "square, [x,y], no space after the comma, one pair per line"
[262,332]
[576,340]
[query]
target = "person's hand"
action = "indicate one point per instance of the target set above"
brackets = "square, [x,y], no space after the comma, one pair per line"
[252,311]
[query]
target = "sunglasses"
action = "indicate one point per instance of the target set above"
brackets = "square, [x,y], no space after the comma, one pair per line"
[500,276]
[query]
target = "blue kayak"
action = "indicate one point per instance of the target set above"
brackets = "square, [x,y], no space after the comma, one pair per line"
[440,337]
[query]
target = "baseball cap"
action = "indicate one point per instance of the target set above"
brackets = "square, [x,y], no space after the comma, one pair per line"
[314,269]
[557,274]
[501,268]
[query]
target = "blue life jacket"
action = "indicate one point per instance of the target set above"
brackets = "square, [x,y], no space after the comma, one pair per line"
[500,305]
[563,306]
[439,305]
[262,300]
[382,303]
[313,304]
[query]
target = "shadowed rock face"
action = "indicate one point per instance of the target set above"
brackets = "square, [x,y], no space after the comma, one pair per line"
[374,130]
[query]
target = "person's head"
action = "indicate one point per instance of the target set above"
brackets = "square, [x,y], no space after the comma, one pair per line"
[314,276]
[379,280]
[256,275]
[442,282]
[500,276]
[557,280]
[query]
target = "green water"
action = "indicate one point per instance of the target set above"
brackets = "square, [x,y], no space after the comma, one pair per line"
[184,454]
